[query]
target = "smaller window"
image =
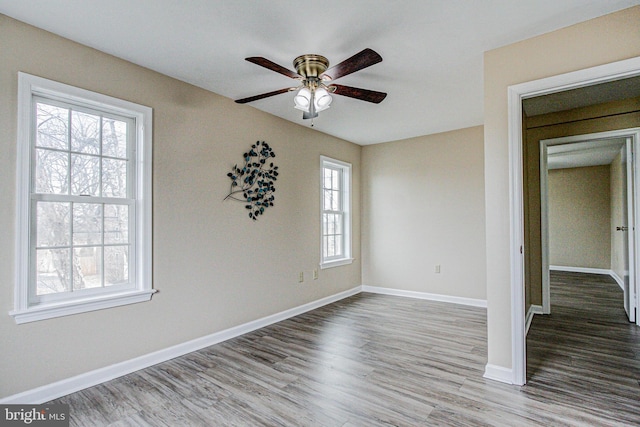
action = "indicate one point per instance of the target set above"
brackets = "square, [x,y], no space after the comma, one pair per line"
[335,194]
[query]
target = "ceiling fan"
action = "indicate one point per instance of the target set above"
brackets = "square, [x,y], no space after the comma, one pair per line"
[316,79]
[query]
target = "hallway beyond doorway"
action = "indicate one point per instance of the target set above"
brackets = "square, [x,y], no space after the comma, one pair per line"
[586,350]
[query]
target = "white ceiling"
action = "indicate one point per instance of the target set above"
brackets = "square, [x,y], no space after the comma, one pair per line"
[583,154]
[432,49]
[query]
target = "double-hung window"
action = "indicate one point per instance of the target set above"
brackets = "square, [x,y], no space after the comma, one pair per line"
[335,190]
[83,201]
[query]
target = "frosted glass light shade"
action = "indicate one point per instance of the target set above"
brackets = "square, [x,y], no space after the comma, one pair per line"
[322,99]
[302,100]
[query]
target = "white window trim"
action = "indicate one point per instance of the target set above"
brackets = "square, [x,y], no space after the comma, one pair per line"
[346,202]
[29,86]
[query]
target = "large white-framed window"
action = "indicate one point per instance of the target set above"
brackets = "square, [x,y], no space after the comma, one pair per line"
[335,195]
[83,205]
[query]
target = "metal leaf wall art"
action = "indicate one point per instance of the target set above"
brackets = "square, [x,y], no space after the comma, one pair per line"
[253,183]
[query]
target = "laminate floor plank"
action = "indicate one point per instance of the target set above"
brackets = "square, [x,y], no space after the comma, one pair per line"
[376,360]
[586,352]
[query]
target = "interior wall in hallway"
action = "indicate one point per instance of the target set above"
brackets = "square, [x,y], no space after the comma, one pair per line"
[579,202]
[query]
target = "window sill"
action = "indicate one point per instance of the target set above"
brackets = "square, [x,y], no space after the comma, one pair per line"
[49,311]
[336,263]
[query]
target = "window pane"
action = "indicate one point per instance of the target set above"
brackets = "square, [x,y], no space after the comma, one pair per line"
[335,201]
[338,245]
[52,172]
[335,224]
[325,247]
[331,221]
[327,178]
[85,175]
[325,221]
[331,200]
[53,271]
[52,126]
[116,224]
[85,133]
[327,200]
[114,178]
[116,270]
[114,138]
[87,268]
[53,221]
[87,223]
[331,246]
[335,180]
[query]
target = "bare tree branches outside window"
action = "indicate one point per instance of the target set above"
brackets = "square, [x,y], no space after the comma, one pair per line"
[82,213]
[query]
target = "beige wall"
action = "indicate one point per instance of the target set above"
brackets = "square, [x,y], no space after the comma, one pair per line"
[609,38]
[214,268]
[617,239]
[423,205]
[579,201]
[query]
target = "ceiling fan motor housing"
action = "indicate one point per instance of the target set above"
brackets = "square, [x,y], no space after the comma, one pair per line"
[311,66]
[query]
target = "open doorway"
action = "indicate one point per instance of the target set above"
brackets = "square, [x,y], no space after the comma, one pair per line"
[588,210]
[590,133]
[570,82]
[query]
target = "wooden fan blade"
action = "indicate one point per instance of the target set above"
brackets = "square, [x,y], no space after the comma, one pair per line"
[264,62]
[357,62]
[357,93]
[264,95]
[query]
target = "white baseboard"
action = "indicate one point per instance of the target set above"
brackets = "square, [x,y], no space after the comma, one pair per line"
[580,269]
[611,273]
[423,295]
[498,373]
[79,382]
[533,309]
[617,279]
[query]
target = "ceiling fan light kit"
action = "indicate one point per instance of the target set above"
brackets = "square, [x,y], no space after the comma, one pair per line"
[312,99]
[315,78]
[302,101]
[322,99]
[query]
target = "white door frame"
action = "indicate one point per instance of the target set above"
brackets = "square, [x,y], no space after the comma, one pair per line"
[516,94]
[634,135]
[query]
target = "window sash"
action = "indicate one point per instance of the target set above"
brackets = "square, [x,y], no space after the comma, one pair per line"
[73,293]
[129,158]
[333,243]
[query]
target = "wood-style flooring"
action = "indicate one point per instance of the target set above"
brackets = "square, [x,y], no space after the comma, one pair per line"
[586,354]
[369,360]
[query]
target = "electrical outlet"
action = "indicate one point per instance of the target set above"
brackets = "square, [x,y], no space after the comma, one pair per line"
[301,277]
[438,268]
[315,274]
